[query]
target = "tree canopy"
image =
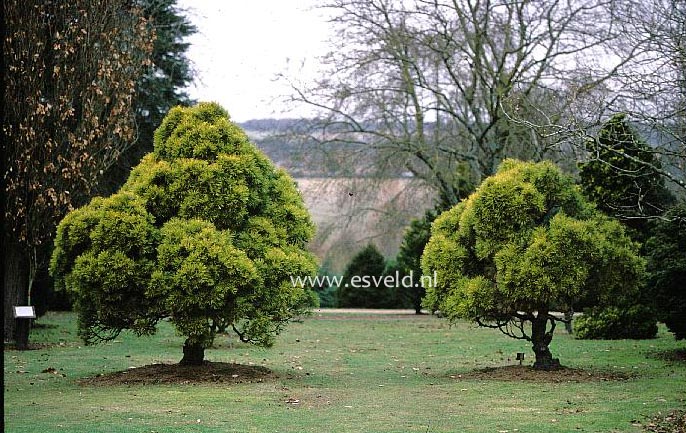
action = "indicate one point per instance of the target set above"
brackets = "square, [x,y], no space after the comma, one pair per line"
[525,244]
[666,251]
[431,86]
[70,71]
[161,88]
[206,232]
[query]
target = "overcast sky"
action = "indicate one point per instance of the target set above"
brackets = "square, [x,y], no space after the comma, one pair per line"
[241,46]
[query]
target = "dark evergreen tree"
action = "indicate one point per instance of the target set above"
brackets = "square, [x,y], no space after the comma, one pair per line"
[325,290]
[622,177]
[398,295]
[409,259]
[362,281]
[666,252]
[161,88]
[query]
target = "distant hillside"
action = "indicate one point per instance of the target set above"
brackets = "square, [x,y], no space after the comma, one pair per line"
[270,125]
[287,143]
[276,138]
[350,209]
[350,213]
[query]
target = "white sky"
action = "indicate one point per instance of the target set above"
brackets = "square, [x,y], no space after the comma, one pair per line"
[242,45]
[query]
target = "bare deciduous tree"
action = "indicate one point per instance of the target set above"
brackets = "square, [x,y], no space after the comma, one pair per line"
[447,89]
[653,89]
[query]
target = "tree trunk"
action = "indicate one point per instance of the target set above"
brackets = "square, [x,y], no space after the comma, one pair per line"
[540,339]
[15,287]
[569,317]
[418,303]
[193,353]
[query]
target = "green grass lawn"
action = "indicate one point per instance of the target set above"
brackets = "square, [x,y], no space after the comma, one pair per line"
[349,374]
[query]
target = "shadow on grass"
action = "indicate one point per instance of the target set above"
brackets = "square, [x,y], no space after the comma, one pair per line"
[44,326]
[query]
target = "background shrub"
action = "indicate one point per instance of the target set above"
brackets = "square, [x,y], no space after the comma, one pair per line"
[615,323]
[666,252]
[370,266]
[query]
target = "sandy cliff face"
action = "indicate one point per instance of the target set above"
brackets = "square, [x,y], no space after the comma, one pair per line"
[351,212]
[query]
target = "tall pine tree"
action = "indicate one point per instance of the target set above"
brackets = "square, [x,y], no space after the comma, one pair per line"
[410,255]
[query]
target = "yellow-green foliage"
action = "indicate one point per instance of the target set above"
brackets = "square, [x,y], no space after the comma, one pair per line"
[526,241]
[206,232]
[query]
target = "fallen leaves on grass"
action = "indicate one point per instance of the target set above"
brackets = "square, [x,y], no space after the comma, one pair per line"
[674,356]
[39,346]
[515,373]
[673,422]
[53,370]
[209,372]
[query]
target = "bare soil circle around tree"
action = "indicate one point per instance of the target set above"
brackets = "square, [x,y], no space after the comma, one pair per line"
[209,372]
[229,373]
[523,373]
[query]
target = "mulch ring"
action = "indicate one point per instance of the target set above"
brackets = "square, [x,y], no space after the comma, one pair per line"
[209,372]
[521,373]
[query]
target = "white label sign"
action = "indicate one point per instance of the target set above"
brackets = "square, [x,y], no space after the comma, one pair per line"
[27,312]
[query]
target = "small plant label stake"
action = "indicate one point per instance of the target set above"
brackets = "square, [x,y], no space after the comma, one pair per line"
[23,315]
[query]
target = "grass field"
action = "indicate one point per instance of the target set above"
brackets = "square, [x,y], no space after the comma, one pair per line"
[343,373]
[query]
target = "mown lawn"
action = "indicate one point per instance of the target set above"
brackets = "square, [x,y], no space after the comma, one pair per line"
[342,373]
